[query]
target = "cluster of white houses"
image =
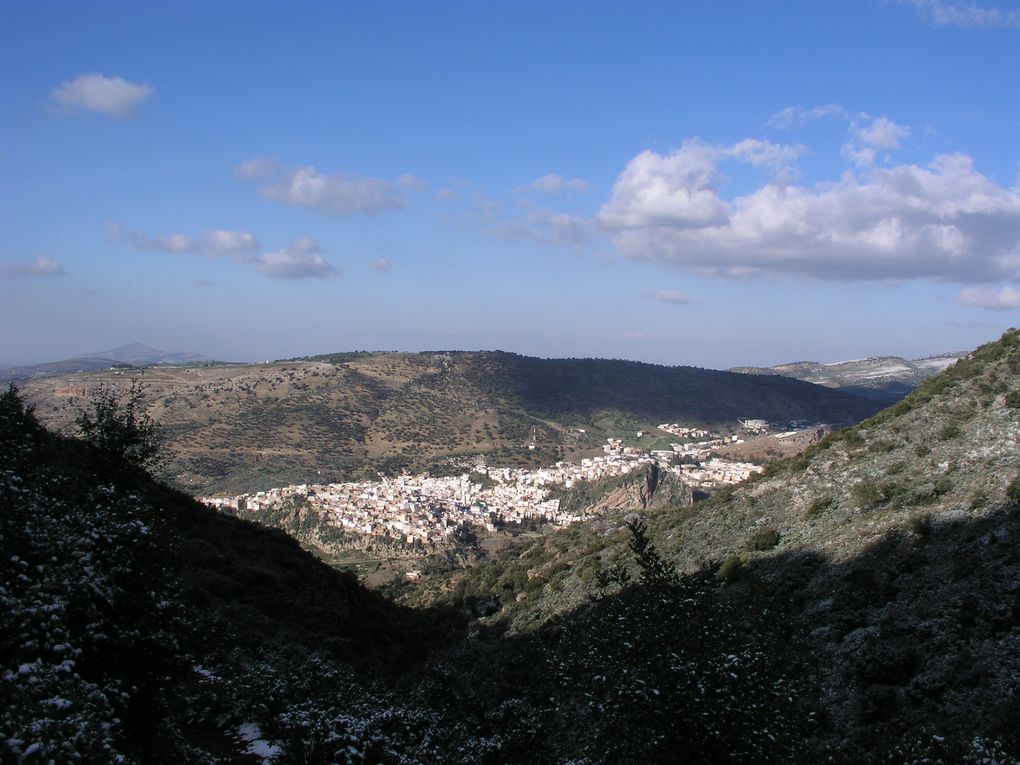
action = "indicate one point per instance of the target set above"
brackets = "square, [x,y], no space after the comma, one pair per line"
[420,509]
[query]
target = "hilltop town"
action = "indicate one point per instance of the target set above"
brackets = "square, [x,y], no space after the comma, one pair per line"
[427,510]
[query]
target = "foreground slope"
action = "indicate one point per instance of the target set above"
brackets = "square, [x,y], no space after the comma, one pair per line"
[240,428]
[136,624]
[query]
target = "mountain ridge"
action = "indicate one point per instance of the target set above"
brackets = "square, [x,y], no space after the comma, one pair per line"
[237,428]
[125,356]
[886,379]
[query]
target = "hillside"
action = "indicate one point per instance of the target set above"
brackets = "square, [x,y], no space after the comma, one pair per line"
[885,379]
[858,604]
[238,428]
[893,543]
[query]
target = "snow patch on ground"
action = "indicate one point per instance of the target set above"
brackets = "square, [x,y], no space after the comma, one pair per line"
[251,734]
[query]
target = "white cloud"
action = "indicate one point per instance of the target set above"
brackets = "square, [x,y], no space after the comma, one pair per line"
[796,115]
[168,243]
[670,296]
[221,242]
[112,96]
[338,194]
[556,184]
[302,259]
[943,221]
[40,266]
[867,132]
[942,13]
[380,266]
[882,133]
[995,298]
[678,190]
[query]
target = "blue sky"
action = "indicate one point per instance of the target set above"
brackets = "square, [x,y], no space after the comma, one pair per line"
[684,183]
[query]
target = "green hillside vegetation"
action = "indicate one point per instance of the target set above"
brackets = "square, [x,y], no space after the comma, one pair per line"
[858,604]
[242,428]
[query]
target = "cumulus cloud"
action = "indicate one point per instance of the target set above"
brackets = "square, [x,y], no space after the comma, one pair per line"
[867,133]
[302,259]
[941,13]
[679,189]
[556,184]
[303,186]
[670,296]
[166,243]
[881,133]
[40,266]
[214,243]
[380,266]
[111,96]
[995,298]
[222,242]
[870,134]
[943,221]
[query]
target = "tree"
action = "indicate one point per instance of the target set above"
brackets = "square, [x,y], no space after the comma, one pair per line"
[121,429]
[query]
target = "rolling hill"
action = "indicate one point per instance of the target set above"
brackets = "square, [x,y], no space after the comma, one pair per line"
[238,428]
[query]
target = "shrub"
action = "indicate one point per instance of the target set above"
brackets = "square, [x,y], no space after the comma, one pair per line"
[866,495]
[921,524]
[1013,491]
[731,569]
[852,437]
[949,432]
[818,506]
[1013,399]
[763,539]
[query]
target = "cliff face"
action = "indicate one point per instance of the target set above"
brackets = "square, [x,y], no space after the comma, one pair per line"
[653,490]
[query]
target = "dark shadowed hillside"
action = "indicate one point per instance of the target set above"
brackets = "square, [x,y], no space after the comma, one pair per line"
[239,428]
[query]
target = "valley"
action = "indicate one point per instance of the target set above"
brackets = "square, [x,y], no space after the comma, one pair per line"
[853,601]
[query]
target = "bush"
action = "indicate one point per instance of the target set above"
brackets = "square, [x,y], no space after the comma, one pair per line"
[731,569]
[866,495]
[1013,491]
[763,539]
[921,524]
[818,506]
[949,432]
[121,430]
